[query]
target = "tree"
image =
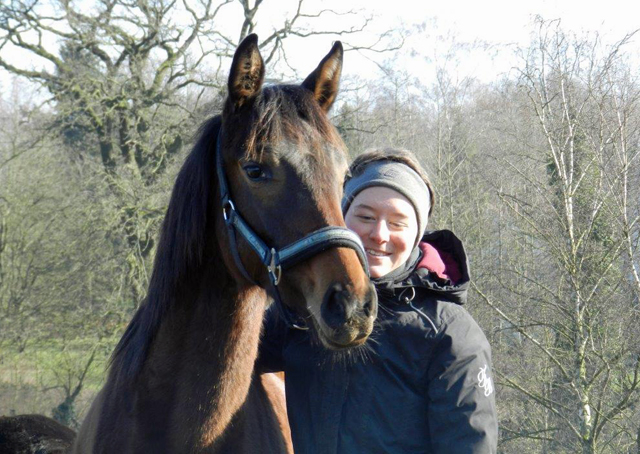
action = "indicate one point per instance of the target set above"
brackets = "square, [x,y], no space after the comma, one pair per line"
[566,281]
[127,82]
[87,163]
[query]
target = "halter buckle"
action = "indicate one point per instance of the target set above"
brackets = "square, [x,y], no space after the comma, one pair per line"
[275,270]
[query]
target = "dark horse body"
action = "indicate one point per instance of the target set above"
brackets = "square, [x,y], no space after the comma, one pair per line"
[28,434]
[181,379]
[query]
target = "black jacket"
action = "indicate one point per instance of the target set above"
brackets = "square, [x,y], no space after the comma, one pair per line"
[422,384]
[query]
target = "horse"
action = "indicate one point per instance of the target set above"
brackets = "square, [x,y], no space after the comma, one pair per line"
[264,174]
[27,434]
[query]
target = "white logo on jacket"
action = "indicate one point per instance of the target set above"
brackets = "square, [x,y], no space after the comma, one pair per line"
[484,381]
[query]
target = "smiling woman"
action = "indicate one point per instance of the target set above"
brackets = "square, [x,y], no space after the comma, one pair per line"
[387,225]
[423,383]
[387,202]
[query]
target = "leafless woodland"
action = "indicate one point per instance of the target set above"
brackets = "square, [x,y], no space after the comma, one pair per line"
[537,171]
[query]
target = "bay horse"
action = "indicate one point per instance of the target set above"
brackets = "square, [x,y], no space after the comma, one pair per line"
[181,379]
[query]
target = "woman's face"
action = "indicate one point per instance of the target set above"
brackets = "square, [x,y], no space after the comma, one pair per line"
[387,225]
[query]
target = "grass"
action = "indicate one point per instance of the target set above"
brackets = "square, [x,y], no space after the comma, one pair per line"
[37,378]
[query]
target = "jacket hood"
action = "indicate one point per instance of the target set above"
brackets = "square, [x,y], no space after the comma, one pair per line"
[441,267]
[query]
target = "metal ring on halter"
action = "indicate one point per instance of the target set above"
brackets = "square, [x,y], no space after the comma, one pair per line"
[275,271]
[227,208]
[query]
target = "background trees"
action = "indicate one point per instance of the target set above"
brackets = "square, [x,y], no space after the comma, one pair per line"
[86,163]
[128,81]
[538,173]
[533,173]
[566,298]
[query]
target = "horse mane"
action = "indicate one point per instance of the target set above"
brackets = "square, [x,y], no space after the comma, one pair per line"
[276,114]
[180,252]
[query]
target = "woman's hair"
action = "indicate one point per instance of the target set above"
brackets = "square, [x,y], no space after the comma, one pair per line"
[390,154]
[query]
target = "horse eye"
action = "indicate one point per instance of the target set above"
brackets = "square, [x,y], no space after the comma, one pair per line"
[255,172]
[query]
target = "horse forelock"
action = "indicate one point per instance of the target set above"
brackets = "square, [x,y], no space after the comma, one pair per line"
[288,121]
[289,112]
[180,253]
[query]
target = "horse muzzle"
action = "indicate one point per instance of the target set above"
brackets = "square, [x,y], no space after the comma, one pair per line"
[346,321]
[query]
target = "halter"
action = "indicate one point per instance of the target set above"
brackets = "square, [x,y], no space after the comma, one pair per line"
[277,260]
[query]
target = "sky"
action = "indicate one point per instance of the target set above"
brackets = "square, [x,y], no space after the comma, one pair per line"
[506,20]
[500,24]
[435,25]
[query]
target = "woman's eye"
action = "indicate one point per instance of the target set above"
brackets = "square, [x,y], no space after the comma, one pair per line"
[255,172]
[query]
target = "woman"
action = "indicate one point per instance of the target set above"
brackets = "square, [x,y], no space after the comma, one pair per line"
[423,382]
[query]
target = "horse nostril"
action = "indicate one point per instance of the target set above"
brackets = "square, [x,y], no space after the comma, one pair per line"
[367,308]
[337,307]
[370,306]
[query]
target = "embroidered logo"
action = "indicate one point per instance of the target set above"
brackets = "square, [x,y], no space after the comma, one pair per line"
[484,381]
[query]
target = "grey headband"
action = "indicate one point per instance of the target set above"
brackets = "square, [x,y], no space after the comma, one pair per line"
[397,176]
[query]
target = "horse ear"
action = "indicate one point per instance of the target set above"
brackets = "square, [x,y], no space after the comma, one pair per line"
[324,81]
[247,72]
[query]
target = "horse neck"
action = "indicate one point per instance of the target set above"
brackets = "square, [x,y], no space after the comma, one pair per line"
[203,358]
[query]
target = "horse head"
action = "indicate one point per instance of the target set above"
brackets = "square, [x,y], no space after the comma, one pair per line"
[285,163]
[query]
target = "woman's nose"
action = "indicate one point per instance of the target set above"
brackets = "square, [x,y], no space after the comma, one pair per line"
[379,232]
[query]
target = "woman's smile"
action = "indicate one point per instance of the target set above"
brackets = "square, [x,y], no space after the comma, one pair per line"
[377,254]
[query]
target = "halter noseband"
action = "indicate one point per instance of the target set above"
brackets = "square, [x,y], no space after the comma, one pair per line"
[278,260]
